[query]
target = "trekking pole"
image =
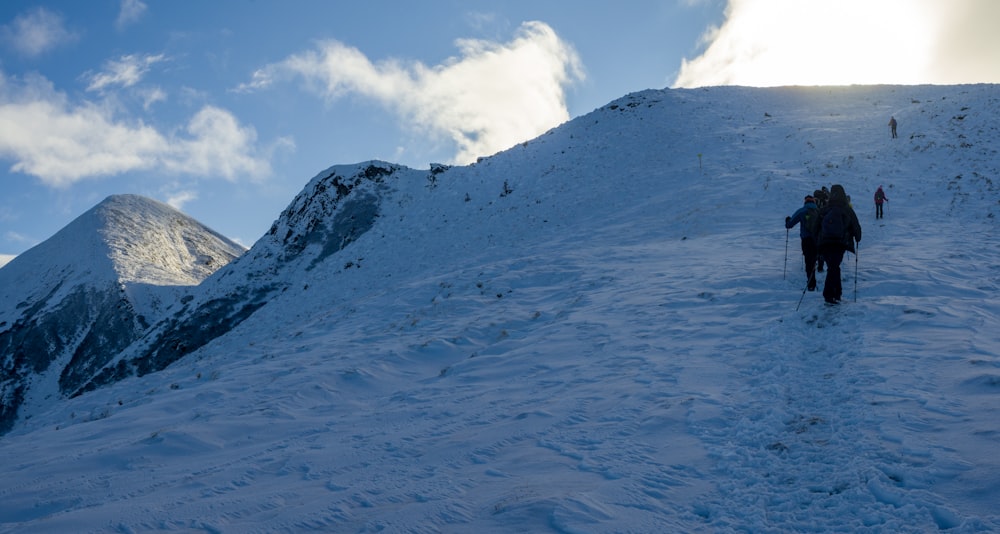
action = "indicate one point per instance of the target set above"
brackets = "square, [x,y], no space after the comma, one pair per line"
[785,271]
[811,278]
[857,248]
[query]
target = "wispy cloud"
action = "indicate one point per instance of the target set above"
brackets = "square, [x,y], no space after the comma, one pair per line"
[834,42]
[125,71]
[15,237]
[178,199]
[130,12]
[151,96]
[489,98]
[60,142]
[35,32]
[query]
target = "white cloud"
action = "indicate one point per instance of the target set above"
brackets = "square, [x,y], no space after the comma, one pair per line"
[480,20]
[16,237]
[5,259]
[216,145]
[840,42]
[36,32]
[151,96]
[125,72]
[131,11]
[491,97]
[178,199]
[60,143]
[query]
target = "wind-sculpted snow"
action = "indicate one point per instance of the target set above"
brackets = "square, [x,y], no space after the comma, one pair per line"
[593,331]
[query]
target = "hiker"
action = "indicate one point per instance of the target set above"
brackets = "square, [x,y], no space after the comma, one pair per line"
[821,195]
[892,126]
[839,230]
[879,199]
[818,197]
[807,217]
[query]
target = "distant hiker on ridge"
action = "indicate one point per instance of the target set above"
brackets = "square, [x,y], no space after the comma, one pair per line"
[892,126]
[879,199]
[839,230]
[807,217]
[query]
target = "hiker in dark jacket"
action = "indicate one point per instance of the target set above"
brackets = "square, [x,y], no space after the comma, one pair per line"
[879,199]
[839,231]
[821,196]
[805,217]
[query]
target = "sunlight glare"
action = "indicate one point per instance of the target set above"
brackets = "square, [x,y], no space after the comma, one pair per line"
[791,42]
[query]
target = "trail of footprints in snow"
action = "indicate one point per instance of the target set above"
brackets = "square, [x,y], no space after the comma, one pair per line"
[781,446]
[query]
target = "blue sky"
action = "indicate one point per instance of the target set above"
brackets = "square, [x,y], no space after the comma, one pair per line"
[225,109]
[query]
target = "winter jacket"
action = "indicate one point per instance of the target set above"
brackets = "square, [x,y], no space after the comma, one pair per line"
[800,217]
[880,196]
[838,199]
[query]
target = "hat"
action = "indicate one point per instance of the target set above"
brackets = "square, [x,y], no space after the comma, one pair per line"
[809,198]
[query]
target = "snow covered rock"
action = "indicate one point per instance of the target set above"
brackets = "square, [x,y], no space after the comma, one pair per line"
[70,304]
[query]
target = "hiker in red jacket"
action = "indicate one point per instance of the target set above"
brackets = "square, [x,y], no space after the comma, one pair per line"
[879,199]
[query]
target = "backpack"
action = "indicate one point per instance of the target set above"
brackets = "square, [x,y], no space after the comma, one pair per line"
[811,222]
[834,225]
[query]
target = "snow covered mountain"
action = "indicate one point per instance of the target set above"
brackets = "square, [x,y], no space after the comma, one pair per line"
[593,331]
[337,207]
[73,302]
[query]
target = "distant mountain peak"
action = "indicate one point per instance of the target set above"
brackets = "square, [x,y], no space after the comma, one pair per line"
[152,243]
[71,303]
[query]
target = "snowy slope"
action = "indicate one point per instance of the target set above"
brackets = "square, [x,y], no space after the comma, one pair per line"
[75,300]
[594,331]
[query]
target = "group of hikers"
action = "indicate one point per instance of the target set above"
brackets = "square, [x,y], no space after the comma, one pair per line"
[829,228]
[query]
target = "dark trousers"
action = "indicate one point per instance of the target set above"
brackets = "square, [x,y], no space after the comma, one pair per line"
[878,210]
[810,252]
[833,254]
